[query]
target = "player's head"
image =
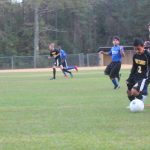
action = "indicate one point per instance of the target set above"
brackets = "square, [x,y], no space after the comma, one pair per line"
[138,46]
[52,46]
[116,40]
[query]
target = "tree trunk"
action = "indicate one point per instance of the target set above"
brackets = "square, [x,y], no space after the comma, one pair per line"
[36,35]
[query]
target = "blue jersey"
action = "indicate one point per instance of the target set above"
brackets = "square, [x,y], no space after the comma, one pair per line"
[63,54]
[115,53]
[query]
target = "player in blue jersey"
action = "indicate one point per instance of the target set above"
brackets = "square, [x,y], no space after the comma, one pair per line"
[113,69]
[63,56]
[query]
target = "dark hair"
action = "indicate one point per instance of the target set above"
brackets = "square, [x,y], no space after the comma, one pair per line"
[138,42]
[116,38]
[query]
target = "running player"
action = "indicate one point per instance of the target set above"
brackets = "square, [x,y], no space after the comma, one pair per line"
[63,56]
[138,80]
[55,53]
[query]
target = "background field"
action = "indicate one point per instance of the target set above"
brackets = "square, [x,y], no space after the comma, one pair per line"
[83,113]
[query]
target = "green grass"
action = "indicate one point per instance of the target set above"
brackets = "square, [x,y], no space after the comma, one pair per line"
[83,113]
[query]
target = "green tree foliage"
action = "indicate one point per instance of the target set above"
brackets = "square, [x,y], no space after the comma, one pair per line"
[78,25]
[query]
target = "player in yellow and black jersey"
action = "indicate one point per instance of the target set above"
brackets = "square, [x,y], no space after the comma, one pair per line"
[139,77]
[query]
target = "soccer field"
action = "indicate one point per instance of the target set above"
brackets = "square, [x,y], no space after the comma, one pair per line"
[83,113]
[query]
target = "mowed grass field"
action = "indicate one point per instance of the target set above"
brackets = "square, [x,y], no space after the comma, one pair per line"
[83,113]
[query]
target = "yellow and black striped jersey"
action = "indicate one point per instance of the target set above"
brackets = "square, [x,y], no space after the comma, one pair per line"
[141,66]
[54,53]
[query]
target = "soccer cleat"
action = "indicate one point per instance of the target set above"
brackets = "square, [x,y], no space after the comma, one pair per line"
[66,76]
[76,68]
[52,78]
[117,87]
[71,75]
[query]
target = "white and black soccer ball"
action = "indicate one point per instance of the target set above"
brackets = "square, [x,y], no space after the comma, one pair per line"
[136,105]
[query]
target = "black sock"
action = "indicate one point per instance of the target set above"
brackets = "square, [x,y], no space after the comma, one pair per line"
[139,97]
[131,98]
[54,73]
[65,70]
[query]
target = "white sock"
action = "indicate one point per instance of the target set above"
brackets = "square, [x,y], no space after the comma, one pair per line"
[144,98]
[117,81]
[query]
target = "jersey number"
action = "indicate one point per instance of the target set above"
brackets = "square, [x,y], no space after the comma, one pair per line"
[139,69]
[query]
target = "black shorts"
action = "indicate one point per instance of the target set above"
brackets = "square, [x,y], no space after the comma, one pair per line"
[141,85]
[112,70]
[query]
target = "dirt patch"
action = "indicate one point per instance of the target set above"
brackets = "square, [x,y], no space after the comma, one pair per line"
[50,69]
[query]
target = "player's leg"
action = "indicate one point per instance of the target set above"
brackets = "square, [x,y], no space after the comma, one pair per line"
[54,73]
[114,73]
[108,69]
[139,90]
[129,93]
[64,65]
[72,68]
[54,69]
[66,71]
[56,64]
[64,68]
[117,71]
[69,67]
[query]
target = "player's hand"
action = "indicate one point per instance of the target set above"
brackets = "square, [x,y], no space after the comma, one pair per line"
[101,52]
[49,57]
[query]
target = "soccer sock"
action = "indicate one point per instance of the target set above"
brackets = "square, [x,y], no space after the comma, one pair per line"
[131,98]
[140,96]
[65,70]
[144,98]
[64,73]
[117,81]
[54,73]
[114,82]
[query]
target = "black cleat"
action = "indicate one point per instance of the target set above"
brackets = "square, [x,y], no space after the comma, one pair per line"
[117,87]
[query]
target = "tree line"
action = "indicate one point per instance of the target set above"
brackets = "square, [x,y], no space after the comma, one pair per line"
[80,26]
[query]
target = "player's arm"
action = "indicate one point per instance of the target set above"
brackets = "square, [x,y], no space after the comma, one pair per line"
[57,55]
[100,51]
[122,51]
[104,53]
[50,55]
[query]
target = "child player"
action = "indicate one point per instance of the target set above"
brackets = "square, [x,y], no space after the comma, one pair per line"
[55,53]
[113,69]
[138,80]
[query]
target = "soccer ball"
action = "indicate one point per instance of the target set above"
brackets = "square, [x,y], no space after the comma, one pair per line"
[136,105]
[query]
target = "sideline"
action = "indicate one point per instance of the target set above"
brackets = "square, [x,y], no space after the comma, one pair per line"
[50,69]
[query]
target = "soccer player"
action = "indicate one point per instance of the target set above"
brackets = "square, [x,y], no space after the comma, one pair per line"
[147,45]
[63,56]
[138,80]
[55,53]
[113,69]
